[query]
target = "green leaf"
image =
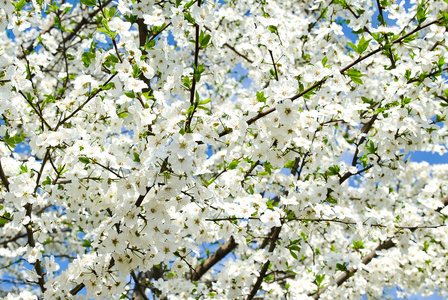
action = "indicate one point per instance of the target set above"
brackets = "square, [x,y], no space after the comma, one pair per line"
[12,141]
[204,101]
[444,17]
[261,97]
[20,5]
[410,38]
[131,18]
[358,244]
[425,246]
[421,12]
[371,147]
[6,216]
[268,167]
[150,45]
[189,18]
[87,58]
[355,75]
[47,181]
[107,32]
[295,248]
[23,169]
[233,164]
[367,100]
[198,71]
[333,170]
[341,267]
[190,110]
[136,157]
[289,164]
[204,39]
[187,82]
[109,13]
[188,4]
[130,94]
[251,190]
[108,86]
[211,181]
[440,118]
[86,244]
[47,241]
[319,279]
[353,47]
[203,108]
[88,2]
[135,71]
[362,45]
[293,254]
[48,99]
[380,19]
[331,199]
[3,221]
[84,160]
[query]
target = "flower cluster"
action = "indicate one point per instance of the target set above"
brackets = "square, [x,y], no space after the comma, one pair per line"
[222,149]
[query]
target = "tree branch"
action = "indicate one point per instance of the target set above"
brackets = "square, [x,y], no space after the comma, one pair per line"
[342,71]
[265,267]
[219,254]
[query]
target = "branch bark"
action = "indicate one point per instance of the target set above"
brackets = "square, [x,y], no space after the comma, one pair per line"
[219,254]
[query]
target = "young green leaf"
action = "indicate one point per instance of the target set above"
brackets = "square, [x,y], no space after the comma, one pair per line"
[88,2]
[355,75]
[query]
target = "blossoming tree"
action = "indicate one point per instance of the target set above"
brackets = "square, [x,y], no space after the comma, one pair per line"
[150,170]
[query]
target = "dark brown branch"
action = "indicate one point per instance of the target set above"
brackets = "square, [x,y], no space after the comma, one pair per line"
[399,40]
[84,103]
[38,112]
[138,287]
[365,260]
[265,267]
[274,64]
[3,177]
[388,51]
[348,174]
[219,254]
[238,53]
[335,220]
[29,226]
[365,129]
[195,70]
[233,49]
[387,244]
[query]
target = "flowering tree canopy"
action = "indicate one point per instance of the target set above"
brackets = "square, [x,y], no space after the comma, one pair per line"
[232,149]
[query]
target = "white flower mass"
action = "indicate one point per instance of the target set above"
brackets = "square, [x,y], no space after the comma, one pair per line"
[232,149]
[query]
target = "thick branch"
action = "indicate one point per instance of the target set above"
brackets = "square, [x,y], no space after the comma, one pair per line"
[3,177]
[195,72]
[342,71]
[265,267]
[387,244]
[85,102]
[29,226]
[207,264]
[139,289]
